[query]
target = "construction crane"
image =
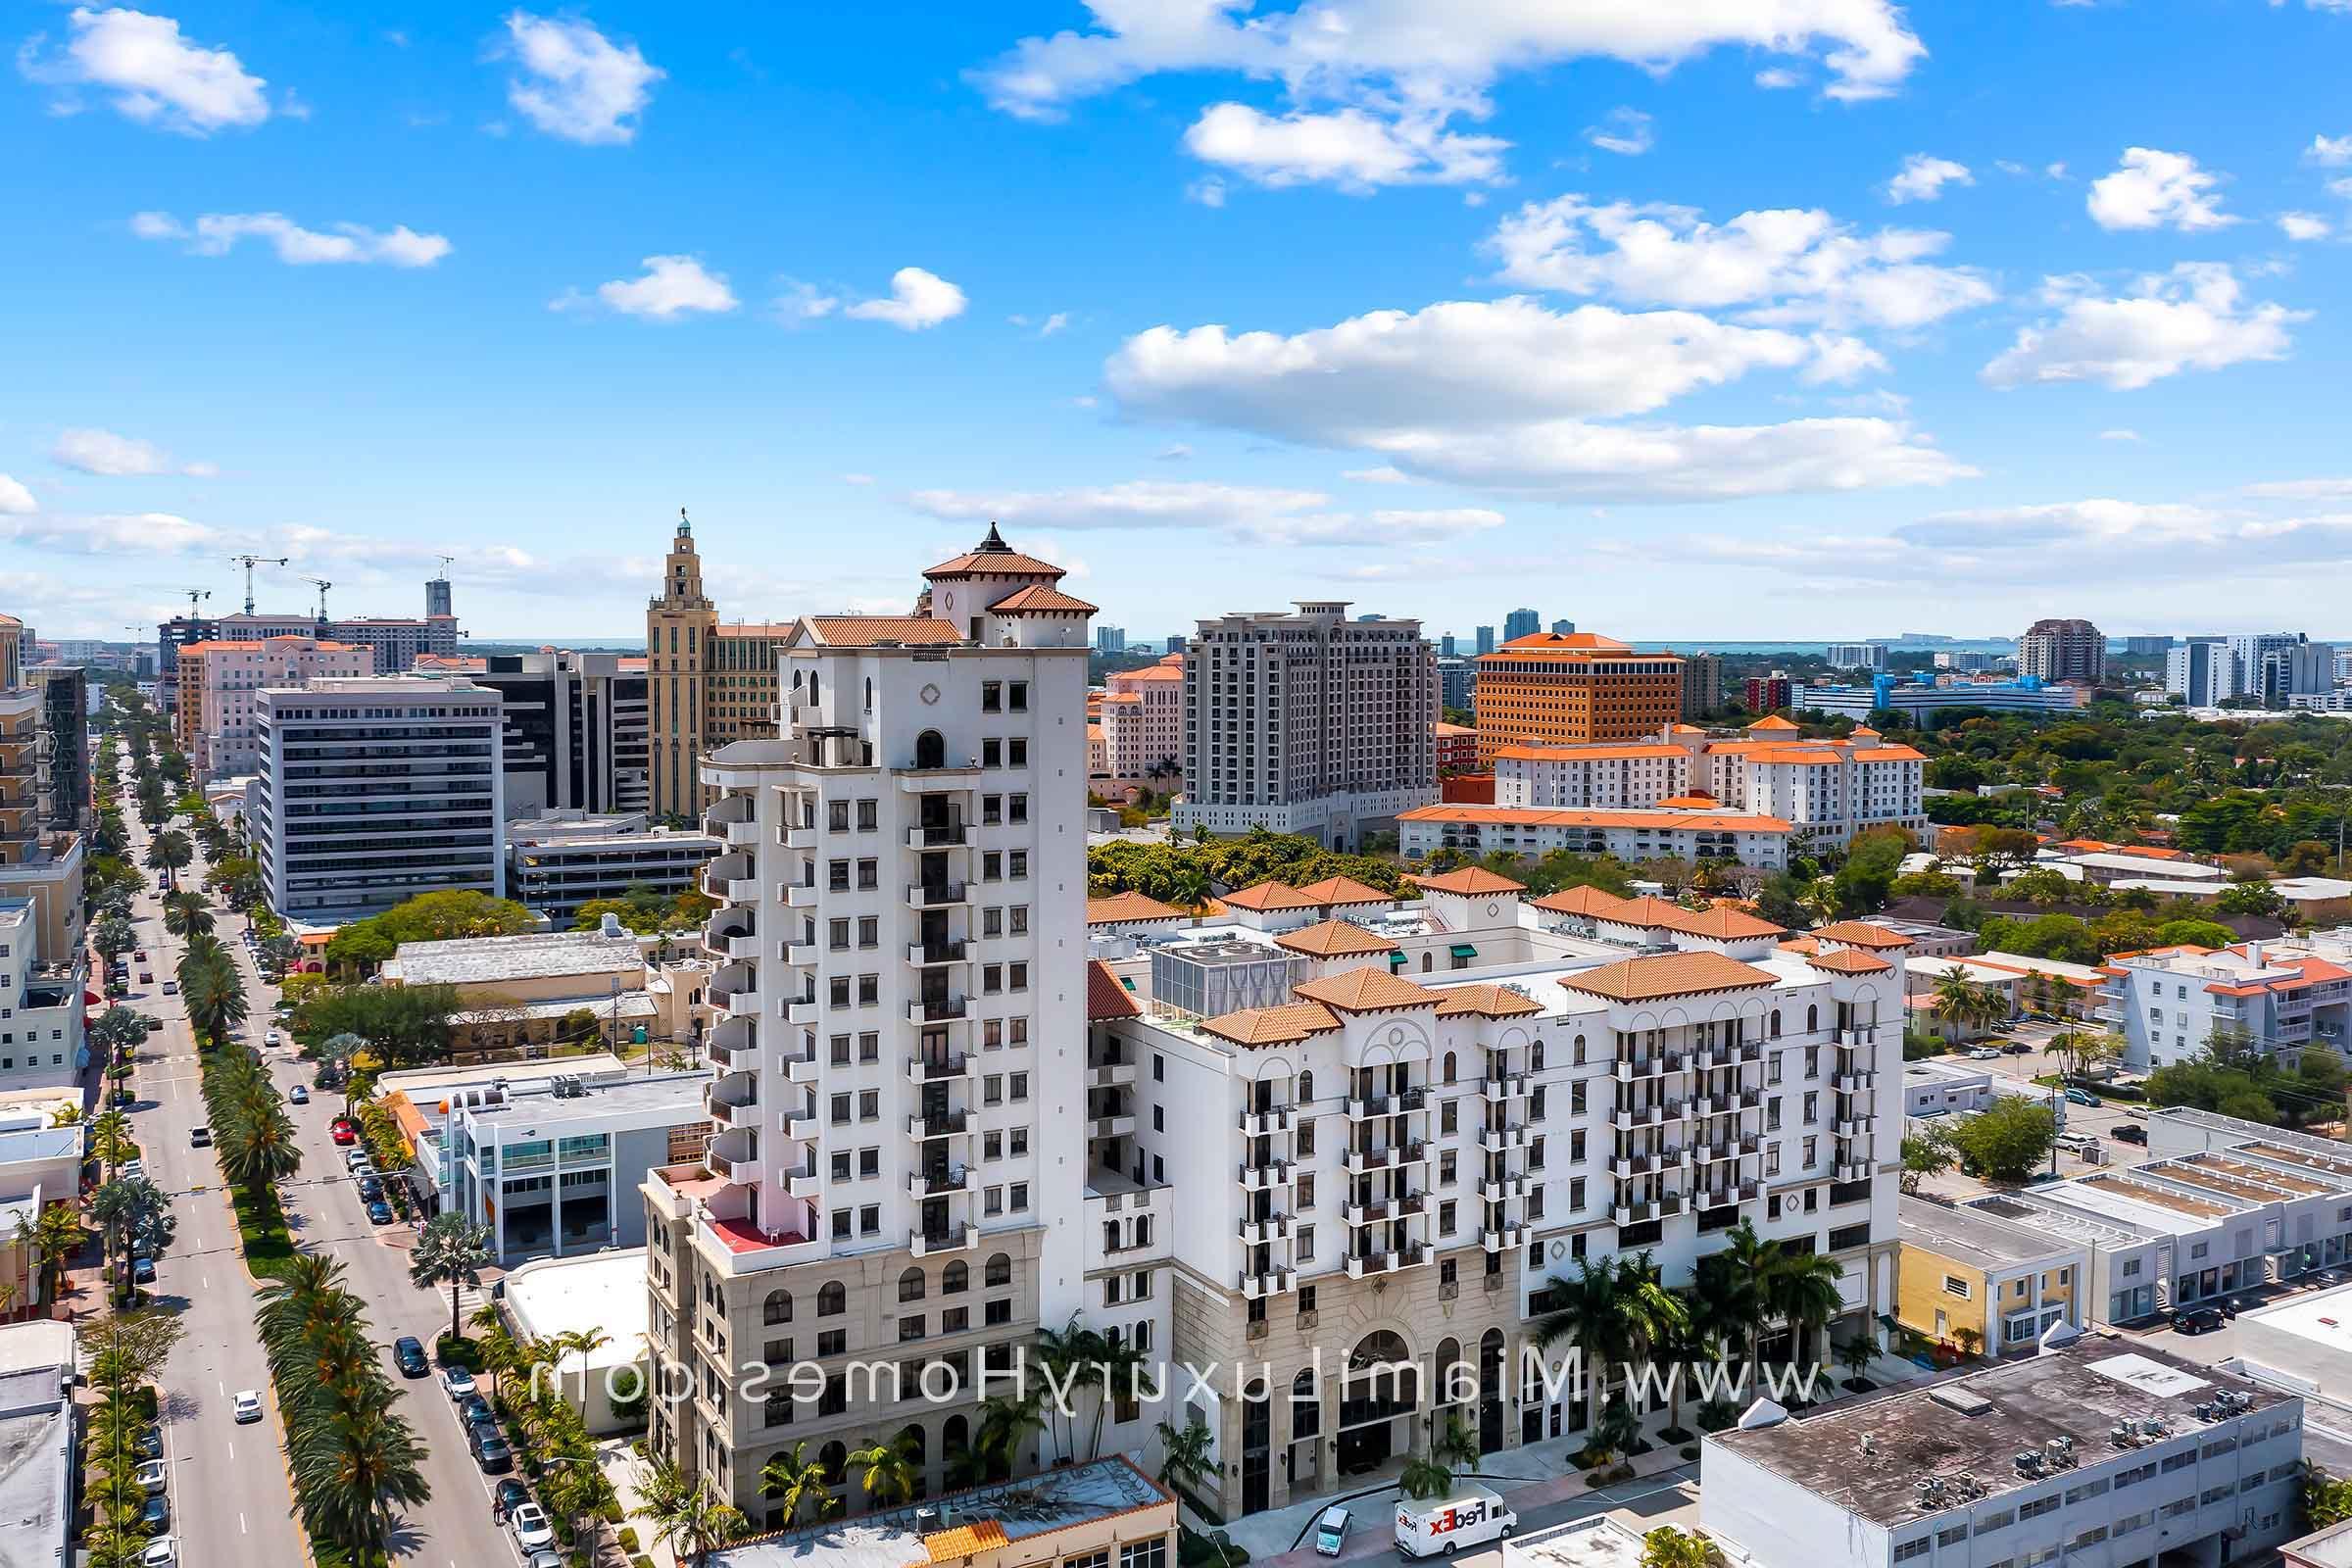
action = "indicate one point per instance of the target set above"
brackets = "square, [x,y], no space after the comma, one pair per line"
[322,585]
[196,598]
[249,563]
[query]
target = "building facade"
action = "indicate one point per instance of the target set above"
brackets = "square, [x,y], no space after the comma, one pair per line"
[1522,623]
[1855,656]
[371,790]
[219,680]
[557,863]
[1574,690]
[707,683]
[1142,722]
[1703,684]
[576,730]
[1923,705]
[40,1005]
[2279,997]
[1975,1281]
[2062,652]
[1309,724]
[1766,694]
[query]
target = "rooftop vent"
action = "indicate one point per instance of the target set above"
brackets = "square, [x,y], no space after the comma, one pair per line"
[1964,1401]
[2027,1463]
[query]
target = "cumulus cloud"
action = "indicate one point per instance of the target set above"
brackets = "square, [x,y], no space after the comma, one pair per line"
[149,71]
[2195,318]
[14,500]
[918,300]
[671,286]
[111,456]
[1349,148]
[1922,178]
[1257,514]
[2302,490]
[2152,189]
[142,534]
[1628,132]
[574,81]
[1775,79]
[2304,226]
[217,233]
[1503,394]
[1784,266]
[1385,473]
[2330,152]
[2120,433]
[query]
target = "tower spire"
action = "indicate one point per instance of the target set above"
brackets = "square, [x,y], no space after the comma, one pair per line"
[684,526]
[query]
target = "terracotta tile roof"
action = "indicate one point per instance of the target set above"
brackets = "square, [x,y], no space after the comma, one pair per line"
[1888,754]
[1771,721]
[1106,997]
[1267,896]
[1849,961]
[1370,989]
[1580,816]
[1696,801]
[1344,890]
[1120,907]
[865,631]
[1039,599]
[1579,901]
[1800,945]
[995,564]
[1469,882]
[1722,924]
[1667,974]
[964,1540]
[1485,1002]
[753,630]
[1587,754]
[1567,639]
[1646,911]
[1444,731]
[1797,755]
[1291,1022]
[1861,934]
[1333,938]
[1160,671]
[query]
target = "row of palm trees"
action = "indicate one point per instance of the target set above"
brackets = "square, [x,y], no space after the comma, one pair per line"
[354,1457]
[210,986]
[126,1352]
[252,1136]
[526,1383]
[1962,1004]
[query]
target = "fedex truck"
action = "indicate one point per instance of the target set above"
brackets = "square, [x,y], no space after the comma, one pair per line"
[1472,1516]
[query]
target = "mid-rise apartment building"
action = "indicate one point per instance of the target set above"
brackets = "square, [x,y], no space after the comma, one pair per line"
[1522,623]
[40,863]
[1142,722]
[1855,656]
[1574,689]
[219,680]
[576,730]
[2279,997]
[1703,684]
[707,682]
[371,790]
[2068,652]
[395,643]
[1923,704]
[40,1003]
[1309,723]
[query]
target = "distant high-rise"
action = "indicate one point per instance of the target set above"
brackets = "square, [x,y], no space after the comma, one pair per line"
[2062,652]
[2301,670]
[1703,684]
[1446,646]
[1563,628]
[1520,623]
[1486,639]
[707,682]
[1765,693]
[1856,656]
[1110,639]
[2147,647]
[2197,672]
[1574,691]
[1458,682]
[1175,643]
[573,731]
[437,597]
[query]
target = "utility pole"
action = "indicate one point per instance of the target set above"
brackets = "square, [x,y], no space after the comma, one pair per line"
[249,563]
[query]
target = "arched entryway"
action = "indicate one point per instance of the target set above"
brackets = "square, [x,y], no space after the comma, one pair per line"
[1490,1391]
[1379,1392]
[930,750]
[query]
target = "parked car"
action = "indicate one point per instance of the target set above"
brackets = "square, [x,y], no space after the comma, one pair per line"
[142,1271]
[247,1405]
[371,1188]
[1984,1053]
[457,1382]
[161,1552]
[531,1526]
[489,1449]
[298,1096]
[473,1410]
[2016,1048]
[546,1557]
[200,1138]
[1330,1531]
[149,1443]
[153,1475]
[380,1212]
[134,1170]
[2129,1132]
[2083,1096]
[2197,1320]
[270,1040]
[170,988]
[343,1133]
[506,1495]
[407,1353]
[155,1515]
[355,1158]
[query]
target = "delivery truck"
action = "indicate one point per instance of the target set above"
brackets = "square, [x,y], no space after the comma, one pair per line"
[1470,1516]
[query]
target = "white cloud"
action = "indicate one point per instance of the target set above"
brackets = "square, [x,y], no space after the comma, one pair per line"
[858,478]
[2190,319]
[217,233]
[2303,490]
[145,534]
[804,302]
[1349,148]
[1054,324]
[2153,189]
[2119,435]
[2054,170]
[151,73]
[1788,264]
[1385,473]
[918,300]
[1177,452]
[111,456]
[1244,512]
[1502,394]
[1209,191]
[2330,152]
[14,500]
[1922,178]
[1838,360]
[2304,226]
[671,286]
[575,82]
[1626,131]
[1778,79]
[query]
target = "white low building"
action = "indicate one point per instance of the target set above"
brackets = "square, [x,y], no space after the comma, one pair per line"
[1945,1088]
[601,1293]
[1702,833]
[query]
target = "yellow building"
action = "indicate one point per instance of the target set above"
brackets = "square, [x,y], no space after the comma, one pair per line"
[1573,688]
[1964,1270]
[707,682]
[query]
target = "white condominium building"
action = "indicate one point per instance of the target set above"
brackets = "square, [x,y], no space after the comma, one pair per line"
[1143,720]
[1308,723]
[373,790]
[2279,997]
[893,1204]
[218,681]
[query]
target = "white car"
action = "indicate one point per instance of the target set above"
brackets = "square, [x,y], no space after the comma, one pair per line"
[355,1156]
[270,1040]
[457,1382]
[531,1526]
[153,1474]
[162,1552]
[1984,1053]
[247,1405]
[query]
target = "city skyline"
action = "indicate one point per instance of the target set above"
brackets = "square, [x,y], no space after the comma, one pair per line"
[1904,307]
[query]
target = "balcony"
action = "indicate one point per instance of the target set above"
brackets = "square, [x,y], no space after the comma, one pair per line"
[1265,1123]
[1625,1167]
[746,946]
[1396,1104]
[959,1180]
[1853,1083]
[1367,1161]
[1657,1066]
[949,836]
[799,838]
[730,810]
[801,1067]
[1497,1091]
[798,894]
[734,1044]
[745,1002]
[1410,1208]
[801,955]
[936,894]
[1260,1232]
[1849,1128]
[1264,1175]
[1110,1127]
[1501,1140]
[950,1239]
[1266,1281]
[1502,1238]
[1110,1076]
[743,835]
[1497,1192]
[732,1162]
[803,1013]
[925,954]
[802,1128]
[936,1069]
[937,1009]
[1628,1118]
[1849,1171]
[803,1184]
[1371,1265]
[953,1124]
[931,781]
[732,1104]
[1724,1195]
[724,925]
[1855,1039]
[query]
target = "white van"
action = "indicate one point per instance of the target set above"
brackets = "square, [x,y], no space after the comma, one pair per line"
[1330,1531]
[1472,1516]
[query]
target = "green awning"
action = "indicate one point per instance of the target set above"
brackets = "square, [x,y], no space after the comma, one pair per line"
[1396,960]
[1463,950]
[1887,1321]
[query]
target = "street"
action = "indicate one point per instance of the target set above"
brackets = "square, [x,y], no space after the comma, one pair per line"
[229,1493]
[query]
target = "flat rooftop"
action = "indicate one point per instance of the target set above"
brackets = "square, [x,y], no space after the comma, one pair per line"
[600,1291]
[1971,1235]
[2080,1391]
[37,1463]
[427,1084]
[661,1095]
[534,955]
[1596,1542]
[974,1521]
[2323,1317]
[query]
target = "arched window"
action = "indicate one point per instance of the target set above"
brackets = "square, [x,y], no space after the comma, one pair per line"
[832,1301]
[1426,964]
[955,1279]
[1450,1066]
[777,1308]
[1142,1334]
[1306,1087]
[869,694]
[1535,1055]
[954,1437]
[1775,1023]
[834,1461]
[998,1272]
[812,697]
[930,750]
[1812,1019]
[910,1285]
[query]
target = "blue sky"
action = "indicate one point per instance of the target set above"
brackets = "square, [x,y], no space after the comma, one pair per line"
[1941,317]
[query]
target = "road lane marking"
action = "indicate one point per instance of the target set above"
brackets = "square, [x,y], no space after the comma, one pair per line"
[241,1530]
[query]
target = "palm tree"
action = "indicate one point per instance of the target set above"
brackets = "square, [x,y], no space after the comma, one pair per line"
[1184,1461]
[1425,1478]
[1120,1366]
[55,1237]
[130,1211]
[351,1468]
[110,1139]
[1669,1547]
[258,1144]
[795,1482]
[1455,1446]
[891,1472]
[687,1517]
[1957,1004]
[1188,886]
[1590,1311]
[113,937]
[170,851]
[1071,1360]
[1006,1424]
[450,1251]
[1801,1289]
[186,913]
[1855,1355]
[302,1293]
[1740,1270]
[1654,1317]
[117,1029]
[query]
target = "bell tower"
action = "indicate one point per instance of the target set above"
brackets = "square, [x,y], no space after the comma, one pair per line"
[679,624]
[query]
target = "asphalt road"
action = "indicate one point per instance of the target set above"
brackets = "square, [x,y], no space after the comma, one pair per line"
[229,1493]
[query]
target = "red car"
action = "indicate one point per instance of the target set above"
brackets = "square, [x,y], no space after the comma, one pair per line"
[139,953]
[342,1131]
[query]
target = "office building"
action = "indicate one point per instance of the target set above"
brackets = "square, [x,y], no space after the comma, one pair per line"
[1968,663]
[1457,684]
[40,863]
[707,682]
[1855,656]
[1446,646]
[437,600]
[371,790]
[1575,690]
[2147,647]
[1562,627]
[1973,1280]
[1457,747]
[1110,639]
[1924,704]
[1739,838]
[2279,997]
[395,643]
[574,730]
[62,756]
[559,861]
[1307,723]
[1703,684]
[2300,669]
[2201,671]
[2098,1450]
[1485,640]
[1521,623]
[1142,723]
[2068,652]
[219,679]
[902,1119]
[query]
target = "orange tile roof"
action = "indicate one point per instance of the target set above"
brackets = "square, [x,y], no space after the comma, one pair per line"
[1164,670]
[1485,1002]
[1797,755]
[1344,890]
[1039,599]
[1286,1024]
[1370,989]
[1446,731]
[1106,997]
[1333,938]
[964,1540]
[1849,961]
[753,630]
[995,564]
[1861,934]
[1800,945]
[1268,895]
[1469,882]
[1118,908]
[1721,923]
[1888,754]
[1696,801]
[1129,699]
[1772,721]
[1667,974]
[1580,816]
[1579,901]
[1587,754]
[865,631]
